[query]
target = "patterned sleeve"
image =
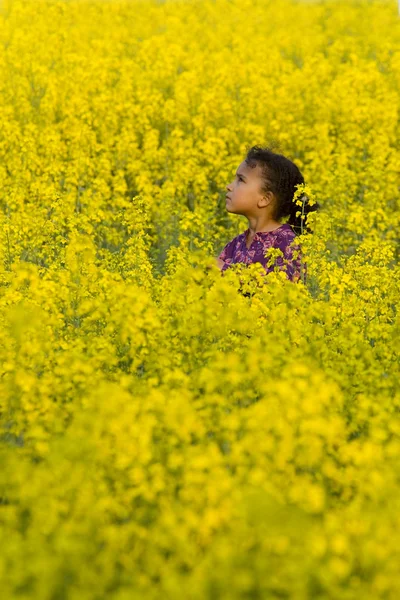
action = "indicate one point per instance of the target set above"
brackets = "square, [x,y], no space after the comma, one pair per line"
[292,258]
[227,253]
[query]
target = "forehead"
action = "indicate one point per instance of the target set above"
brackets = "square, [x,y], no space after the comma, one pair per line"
[249,172]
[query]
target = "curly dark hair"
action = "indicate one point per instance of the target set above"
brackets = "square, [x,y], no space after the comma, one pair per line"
[281,176]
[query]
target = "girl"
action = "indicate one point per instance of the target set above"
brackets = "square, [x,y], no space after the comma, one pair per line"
[263,191]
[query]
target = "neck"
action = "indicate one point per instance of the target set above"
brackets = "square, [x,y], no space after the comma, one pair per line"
[257,225]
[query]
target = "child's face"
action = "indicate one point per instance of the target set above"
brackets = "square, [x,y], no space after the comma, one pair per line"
[244,195]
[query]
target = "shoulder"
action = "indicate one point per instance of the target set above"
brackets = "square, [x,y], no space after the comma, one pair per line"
[285,231]
[236,240]
[286,240]
[285,235]
[230,246]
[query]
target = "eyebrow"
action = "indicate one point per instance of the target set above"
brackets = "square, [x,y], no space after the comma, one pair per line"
[241,175]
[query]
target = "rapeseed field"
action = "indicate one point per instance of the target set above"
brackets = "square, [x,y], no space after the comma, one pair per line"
[163,436]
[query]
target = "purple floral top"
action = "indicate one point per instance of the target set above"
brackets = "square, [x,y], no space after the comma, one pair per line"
[236,252]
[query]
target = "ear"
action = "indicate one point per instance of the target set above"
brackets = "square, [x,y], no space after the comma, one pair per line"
[267,199]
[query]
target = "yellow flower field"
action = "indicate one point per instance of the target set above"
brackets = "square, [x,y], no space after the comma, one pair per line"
[162,435]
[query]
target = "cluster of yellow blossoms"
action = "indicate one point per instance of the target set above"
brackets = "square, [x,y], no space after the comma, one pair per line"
[162,435]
